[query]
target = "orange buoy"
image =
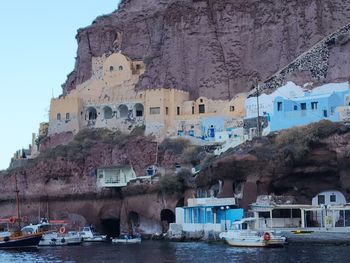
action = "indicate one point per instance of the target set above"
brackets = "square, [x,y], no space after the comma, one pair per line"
[62,230]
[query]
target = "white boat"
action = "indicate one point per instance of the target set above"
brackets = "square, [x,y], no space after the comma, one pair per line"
[127,239]
[51,237]
[244,235]
[89,234]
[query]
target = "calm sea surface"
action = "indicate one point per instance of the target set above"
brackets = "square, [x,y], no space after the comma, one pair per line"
[163,252]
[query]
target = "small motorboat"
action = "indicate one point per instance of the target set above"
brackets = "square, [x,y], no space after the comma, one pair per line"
[89,234]
[127,239]
[243,235]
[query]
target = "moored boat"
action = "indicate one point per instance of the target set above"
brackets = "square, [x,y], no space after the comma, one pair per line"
[89,234]
[127,239]
[243,235]
[52,237]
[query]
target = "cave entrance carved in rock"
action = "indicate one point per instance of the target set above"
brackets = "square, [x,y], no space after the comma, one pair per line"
[133,222]
[166,217]
[111,226]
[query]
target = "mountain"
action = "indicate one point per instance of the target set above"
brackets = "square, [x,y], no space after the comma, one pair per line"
[214,48]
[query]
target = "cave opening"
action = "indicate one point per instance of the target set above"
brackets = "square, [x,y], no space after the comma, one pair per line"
[111,226]
[166,217]
[133,222]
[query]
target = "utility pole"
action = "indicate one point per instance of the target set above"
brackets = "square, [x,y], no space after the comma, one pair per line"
[257,106]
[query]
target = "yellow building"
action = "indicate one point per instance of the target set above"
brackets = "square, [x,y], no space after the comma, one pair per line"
[106,100]
[109,100]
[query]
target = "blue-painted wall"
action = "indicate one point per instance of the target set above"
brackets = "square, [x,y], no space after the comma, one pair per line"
[205,215]
[290,114]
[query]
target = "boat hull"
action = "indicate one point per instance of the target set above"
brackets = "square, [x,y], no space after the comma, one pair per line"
[255,243]
[21,242]
[126,241]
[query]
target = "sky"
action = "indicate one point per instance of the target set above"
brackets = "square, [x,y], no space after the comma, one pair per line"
[37,52]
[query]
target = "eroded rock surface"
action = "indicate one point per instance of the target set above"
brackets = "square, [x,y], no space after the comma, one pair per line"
[212,48]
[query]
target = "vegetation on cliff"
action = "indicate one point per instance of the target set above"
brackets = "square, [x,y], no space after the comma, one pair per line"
[79,148]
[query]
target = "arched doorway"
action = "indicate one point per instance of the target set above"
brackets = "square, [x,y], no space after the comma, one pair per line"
[123,111]
[91,113]
[166,217]
[138,110]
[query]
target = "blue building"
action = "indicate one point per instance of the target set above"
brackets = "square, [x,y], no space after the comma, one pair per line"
[215,214]
[289,112]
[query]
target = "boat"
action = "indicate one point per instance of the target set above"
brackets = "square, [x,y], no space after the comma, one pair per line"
[52,237]
[127,239]
[89,234]
[16,239]
[243,234]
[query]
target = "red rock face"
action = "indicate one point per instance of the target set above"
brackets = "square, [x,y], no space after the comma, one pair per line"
[210,48]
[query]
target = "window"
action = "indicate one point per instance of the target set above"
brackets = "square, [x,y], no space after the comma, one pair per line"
[325,113]
[295,107]
[320,199]
[332,110]
[332,198]
[67,116]
[303,106]
[201,100]
[138,66]
[192,109]
[58,116]
[166,110]
[232,108]
[279,106]
[314,105]
[120,68]
[201,108]
[154,110]
[111,68]
[178,110]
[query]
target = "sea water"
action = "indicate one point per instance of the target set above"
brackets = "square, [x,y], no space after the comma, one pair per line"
[166,252]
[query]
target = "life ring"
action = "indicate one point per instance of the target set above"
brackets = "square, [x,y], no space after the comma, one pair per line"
[11,220]
[62,230]
[267,236]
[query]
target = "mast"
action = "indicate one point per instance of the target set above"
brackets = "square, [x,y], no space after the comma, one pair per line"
[17,202]
[257,106]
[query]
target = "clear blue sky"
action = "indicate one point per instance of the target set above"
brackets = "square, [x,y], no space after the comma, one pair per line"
[37,51]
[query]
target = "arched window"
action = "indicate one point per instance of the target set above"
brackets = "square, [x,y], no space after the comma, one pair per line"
[120,68]
[67,116]
[107,113]
[123,110]
[58,116]
[111,68]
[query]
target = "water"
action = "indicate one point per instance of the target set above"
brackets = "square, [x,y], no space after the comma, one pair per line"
[165,252]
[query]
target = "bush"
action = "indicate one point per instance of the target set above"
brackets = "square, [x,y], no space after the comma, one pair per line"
[293,144]
[176,146]
[194,154]
[171,184]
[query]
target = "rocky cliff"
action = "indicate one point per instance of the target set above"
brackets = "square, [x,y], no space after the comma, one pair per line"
[211,48]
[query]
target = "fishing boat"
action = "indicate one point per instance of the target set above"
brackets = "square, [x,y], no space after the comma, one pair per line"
[13,237]
[244,235]
[52,235]
[89,234]
[127,239]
